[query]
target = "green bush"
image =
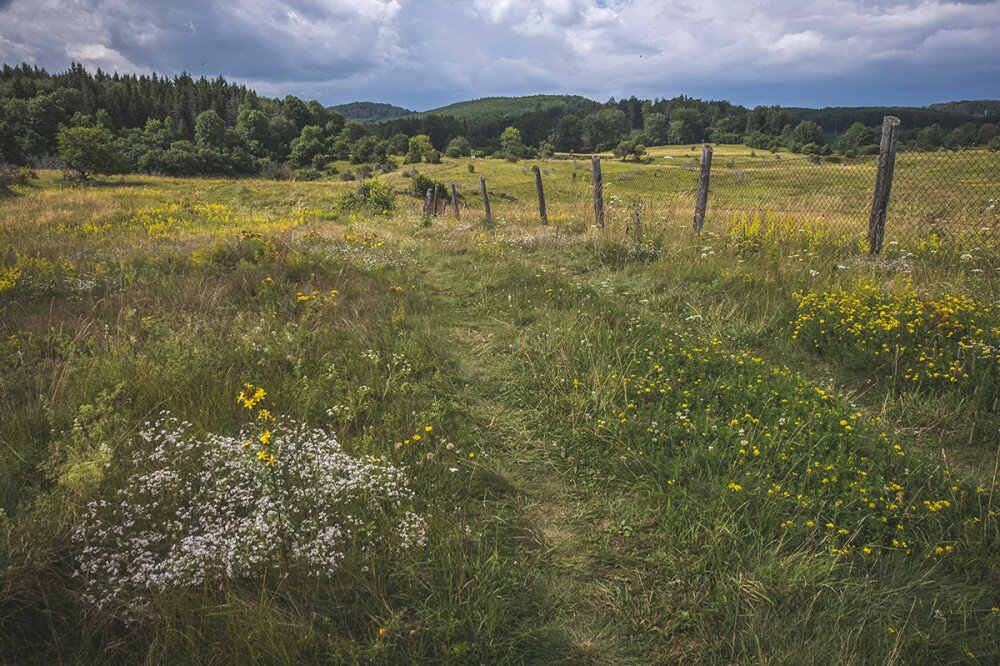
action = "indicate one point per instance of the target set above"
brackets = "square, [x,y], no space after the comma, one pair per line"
[87,150]
[275,171]
[248,248]
[422,183]
[12,175]
[372,195]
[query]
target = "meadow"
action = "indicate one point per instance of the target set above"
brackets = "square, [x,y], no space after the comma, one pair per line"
[254,421]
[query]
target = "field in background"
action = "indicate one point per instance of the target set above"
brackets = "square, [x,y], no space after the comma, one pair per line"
[953,195]
[754,444]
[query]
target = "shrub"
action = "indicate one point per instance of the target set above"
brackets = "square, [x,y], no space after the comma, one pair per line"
[308,173]
[87,150]
[373,195]
[250,247]
[272,170]
[459,147]
[422,183]
[12,175]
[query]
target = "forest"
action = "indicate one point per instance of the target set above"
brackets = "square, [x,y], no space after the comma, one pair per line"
[112,123]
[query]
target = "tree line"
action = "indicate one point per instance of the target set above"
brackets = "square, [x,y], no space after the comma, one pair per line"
[106,123]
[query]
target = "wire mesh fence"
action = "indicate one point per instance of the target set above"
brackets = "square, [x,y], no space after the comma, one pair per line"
[945,202]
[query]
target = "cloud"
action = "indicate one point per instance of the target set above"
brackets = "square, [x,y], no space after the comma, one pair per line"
[100,56]
[299,40]
[426,52]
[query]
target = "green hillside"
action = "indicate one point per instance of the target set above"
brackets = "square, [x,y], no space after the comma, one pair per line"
[510,107]
[370,112]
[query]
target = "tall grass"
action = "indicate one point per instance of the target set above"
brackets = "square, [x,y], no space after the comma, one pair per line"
[625,449]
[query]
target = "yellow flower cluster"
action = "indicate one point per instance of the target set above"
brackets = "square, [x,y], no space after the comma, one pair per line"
[827,472]
[369,240]
[318,297]
[169,221]
[771,230]
[249,398]
[950,339]
[414,438]
[8,278]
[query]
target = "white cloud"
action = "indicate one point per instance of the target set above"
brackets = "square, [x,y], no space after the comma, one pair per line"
[94,56]
[422,49]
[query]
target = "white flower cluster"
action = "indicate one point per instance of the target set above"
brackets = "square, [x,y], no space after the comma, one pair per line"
[206,510]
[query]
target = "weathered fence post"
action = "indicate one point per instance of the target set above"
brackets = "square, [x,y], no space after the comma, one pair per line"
[883,184]
[486,200]
[454,201]
[701,203]
[541,195]
[434,201]
[598,192]
[427,202]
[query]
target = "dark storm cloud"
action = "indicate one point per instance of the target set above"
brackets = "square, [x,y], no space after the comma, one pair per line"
[425,52]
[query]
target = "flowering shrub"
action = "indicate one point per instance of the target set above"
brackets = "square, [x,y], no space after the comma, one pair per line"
[920,339]
[207,510]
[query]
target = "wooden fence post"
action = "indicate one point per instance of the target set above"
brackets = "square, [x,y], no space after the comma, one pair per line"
[541,195]
[434,201]
[701,203]
[454,201]
[486,200]
[883,184]
[427,202]
[598,192]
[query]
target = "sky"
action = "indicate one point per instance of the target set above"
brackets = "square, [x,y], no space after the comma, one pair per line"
[422,54]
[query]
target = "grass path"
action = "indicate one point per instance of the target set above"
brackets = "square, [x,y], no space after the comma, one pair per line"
[566,518]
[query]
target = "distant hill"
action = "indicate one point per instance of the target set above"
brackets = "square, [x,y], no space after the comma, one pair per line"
[979,107]
[371,112]
[496,108]
[482,120]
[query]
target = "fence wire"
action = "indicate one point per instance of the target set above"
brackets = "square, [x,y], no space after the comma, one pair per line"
[940,201]
[943,203]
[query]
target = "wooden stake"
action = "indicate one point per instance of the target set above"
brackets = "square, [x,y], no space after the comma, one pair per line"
[701,203]
[454,201]
[883,184]
[427,202]
[434,201]
[486,201]
[598,192]
[541,195]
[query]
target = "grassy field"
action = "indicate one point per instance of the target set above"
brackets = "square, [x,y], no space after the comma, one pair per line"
[529,445]
[953,196]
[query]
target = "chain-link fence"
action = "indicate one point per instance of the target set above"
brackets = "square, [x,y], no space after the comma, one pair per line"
[942,203]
